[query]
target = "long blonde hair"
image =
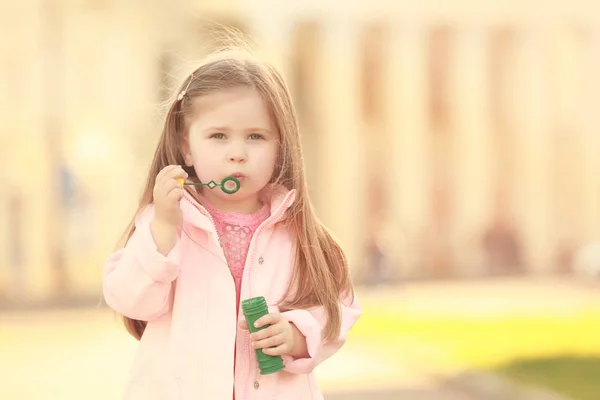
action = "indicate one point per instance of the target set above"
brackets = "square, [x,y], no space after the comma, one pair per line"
[321,274]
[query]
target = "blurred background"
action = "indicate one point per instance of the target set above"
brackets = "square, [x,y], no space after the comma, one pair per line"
[452,146]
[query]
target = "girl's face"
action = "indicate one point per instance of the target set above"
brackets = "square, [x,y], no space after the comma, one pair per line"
[231,133]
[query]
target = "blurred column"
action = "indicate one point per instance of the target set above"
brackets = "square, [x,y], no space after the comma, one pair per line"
[408,174]
[52,40]
[273,37]
[6,67]
[28,215]
[341,184]
[575,167]
[111,120]
[24,215]
[591,81]
[471,153]
[528,119]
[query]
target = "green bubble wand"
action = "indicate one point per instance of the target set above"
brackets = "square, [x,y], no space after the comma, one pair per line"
[229,184]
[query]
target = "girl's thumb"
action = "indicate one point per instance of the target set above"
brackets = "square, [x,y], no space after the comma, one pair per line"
[243,325]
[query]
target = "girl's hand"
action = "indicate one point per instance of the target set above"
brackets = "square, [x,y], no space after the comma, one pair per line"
[280,338]
[168,216]
[167,194]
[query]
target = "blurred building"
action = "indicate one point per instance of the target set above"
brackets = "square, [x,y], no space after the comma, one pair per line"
[463,135]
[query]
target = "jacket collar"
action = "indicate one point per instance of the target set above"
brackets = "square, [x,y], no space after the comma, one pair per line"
[279,198]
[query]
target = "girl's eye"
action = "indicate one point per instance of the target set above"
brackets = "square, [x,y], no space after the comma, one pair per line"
[256,136]
[217,136]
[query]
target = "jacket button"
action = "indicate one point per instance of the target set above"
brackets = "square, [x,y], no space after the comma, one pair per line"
[256,385]
[261,260]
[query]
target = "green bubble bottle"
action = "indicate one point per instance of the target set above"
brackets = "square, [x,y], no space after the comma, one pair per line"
[253,309]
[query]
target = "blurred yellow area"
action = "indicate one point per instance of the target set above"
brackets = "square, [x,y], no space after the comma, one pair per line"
[478,330]
[482,342]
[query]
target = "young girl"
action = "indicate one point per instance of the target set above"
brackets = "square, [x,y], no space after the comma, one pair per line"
[193,253]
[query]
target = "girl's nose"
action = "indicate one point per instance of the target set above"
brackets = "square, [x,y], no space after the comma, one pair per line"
[237,158]
[237,154]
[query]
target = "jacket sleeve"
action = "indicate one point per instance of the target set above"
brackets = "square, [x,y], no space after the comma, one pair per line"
[311,324]
[137,280]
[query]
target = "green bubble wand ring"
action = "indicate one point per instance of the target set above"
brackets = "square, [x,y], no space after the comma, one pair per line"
[213,184]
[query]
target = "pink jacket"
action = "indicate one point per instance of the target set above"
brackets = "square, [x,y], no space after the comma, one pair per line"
[188,298]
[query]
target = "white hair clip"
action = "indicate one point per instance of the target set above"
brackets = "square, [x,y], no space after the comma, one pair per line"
[184,91]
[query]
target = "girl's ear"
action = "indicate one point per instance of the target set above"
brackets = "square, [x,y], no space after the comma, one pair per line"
[187,157]
[184,148]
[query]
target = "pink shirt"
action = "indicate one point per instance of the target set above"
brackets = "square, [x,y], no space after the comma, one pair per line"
[235,231]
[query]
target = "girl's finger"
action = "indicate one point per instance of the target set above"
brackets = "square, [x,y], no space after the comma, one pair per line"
[175,194]
[170,185]
[268,319]
[165,171]
[171,176]
[272,330]
[272,341]
[276,351]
